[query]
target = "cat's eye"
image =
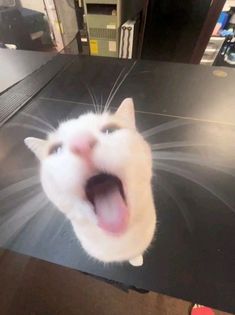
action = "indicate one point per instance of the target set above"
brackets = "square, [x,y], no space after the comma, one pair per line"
[55,148]
[110,128]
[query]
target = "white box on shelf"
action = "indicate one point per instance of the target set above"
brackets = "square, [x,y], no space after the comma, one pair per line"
[127,39]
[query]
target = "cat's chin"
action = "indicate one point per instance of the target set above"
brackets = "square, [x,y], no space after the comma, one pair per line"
[106,193]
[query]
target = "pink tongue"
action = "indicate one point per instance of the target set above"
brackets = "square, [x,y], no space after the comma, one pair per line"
[111,211]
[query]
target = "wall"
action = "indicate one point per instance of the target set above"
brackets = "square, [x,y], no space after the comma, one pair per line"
[172,29]
[36,5]
[67,17]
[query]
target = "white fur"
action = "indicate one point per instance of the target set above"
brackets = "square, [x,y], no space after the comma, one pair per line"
[123,153]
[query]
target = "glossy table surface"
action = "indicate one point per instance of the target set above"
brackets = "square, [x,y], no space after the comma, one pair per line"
[192,111]
[17,64]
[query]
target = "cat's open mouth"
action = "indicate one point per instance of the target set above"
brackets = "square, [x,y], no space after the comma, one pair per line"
[106,193]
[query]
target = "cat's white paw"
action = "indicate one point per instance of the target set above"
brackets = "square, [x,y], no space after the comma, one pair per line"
[137,261]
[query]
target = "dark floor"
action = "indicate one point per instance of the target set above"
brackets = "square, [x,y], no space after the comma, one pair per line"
[33,287]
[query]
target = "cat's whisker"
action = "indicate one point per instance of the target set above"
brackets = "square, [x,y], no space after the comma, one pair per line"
[100,107]
[97,103]
[164,127]
[193,159]
[8,204]
[28,171]
[8,212]
[39,120]
[46,217]
[192,177]
[27,126]
[177,144]
[11,225]
[101,99]
[112,89]
[16,187]
[118,86]
[93,99]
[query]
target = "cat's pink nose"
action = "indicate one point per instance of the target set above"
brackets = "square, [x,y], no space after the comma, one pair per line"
[83,145]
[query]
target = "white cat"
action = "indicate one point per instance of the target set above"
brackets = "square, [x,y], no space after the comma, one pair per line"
[97,170]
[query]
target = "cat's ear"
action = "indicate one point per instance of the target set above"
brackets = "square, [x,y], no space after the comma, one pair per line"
[37,146]
[126,112]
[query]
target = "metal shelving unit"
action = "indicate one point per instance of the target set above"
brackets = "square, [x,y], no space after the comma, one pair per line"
[216,43]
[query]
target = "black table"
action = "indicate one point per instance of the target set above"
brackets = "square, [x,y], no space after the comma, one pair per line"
[193,108]
[16,65]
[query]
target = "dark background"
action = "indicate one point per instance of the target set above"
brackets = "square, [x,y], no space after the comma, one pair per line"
[172,29]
